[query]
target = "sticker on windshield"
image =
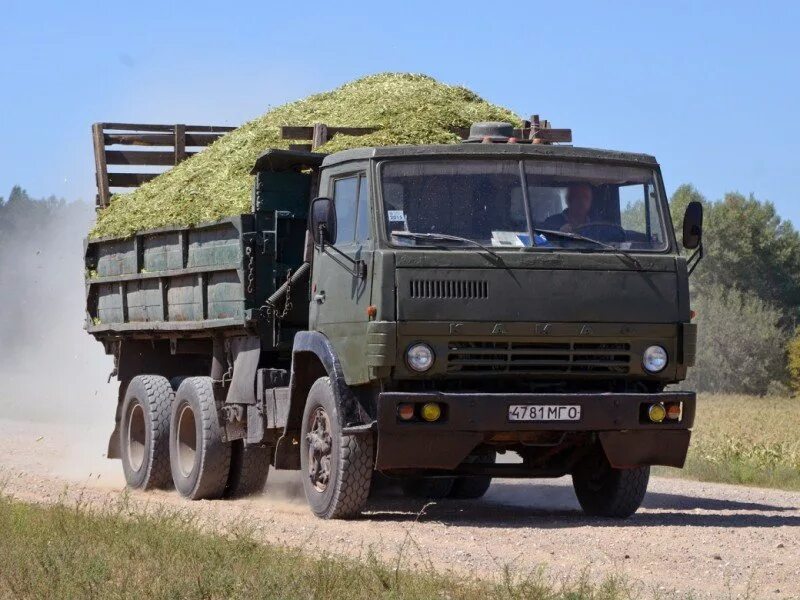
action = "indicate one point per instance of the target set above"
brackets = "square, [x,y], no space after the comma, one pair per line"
[396,216]
[510,238]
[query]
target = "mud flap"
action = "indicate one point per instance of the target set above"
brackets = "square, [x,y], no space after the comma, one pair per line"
[113,450]
[437,450]
[627,449]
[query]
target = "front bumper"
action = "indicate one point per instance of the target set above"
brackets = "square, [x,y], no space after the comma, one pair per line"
[471,419]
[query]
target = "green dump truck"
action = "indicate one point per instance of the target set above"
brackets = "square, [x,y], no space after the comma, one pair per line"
[416,312]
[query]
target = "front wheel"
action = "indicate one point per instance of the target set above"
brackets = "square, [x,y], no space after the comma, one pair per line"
[604,491]
[336,468]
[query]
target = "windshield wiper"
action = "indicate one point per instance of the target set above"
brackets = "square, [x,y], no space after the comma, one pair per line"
[445,237]
[582,238]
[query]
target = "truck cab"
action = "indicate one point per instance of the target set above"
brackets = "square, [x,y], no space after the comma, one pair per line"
[494,298]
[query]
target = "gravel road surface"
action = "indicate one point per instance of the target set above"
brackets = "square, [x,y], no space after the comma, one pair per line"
[708,539]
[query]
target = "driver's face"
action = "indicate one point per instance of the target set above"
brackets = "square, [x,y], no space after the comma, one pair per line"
[579,201]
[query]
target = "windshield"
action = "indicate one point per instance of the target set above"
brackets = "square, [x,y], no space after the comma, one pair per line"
[570,205]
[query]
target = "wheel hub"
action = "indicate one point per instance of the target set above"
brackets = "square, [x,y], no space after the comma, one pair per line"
[136,437]
[319,449]
[186,441]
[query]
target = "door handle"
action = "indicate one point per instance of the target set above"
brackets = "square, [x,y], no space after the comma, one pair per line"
[319,298]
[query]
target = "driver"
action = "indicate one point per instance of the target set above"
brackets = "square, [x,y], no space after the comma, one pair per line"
[576,215]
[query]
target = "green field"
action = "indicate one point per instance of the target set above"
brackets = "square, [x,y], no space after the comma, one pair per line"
[69,552]
[746,440]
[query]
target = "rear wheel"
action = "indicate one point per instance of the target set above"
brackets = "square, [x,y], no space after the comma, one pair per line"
[336,468]
[144,432]
[432,488]
[199,459]
[604,491]
[471,488]
[249,470]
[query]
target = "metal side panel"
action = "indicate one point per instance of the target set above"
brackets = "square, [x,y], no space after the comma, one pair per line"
[163,251]
[116,257]
[215,246]
[173,279]
[185,298]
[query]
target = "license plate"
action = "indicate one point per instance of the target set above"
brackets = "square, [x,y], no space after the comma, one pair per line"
[548,412]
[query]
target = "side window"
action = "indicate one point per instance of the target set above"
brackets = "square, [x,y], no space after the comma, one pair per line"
[362,225]
[345,196]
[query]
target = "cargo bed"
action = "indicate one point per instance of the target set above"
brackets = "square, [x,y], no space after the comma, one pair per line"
[173,279]
[212,278]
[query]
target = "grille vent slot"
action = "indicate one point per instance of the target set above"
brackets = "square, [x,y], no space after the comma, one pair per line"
[450,289]
[537,358]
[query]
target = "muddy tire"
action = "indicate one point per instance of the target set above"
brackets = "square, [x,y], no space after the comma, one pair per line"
[603,491]
[144,432]
[176,382]
[249,470]
[430,488]
[336,468]
[199,459]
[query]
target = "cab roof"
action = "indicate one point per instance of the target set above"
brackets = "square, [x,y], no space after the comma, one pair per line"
[499,150]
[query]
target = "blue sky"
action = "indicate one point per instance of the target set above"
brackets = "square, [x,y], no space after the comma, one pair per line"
[711,88]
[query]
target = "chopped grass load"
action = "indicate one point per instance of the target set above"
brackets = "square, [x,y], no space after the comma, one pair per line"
[216,183]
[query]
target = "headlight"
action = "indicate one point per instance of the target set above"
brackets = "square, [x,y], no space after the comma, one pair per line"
[419,357]
[654,359]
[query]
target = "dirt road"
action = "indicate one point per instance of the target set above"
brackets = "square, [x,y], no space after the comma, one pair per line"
[712,540]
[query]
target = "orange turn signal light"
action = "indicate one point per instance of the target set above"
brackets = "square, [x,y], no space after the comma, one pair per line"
[405,411]
[674,411]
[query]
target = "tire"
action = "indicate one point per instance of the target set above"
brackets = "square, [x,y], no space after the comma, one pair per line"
[604,491]
[472,488]
[431,488]
[249,470]
[176,382]
[144,432]
[200,461]
[336,468]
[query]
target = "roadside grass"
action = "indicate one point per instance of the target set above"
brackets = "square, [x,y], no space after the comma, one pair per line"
[745,440]
[117,551]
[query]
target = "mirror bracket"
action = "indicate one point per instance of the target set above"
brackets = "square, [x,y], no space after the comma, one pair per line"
[694,259]
[357,268]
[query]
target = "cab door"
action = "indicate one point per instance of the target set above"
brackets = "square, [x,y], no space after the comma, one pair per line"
[340,289]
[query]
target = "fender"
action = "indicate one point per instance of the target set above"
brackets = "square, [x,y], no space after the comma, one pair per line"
[313,356]
[317,344]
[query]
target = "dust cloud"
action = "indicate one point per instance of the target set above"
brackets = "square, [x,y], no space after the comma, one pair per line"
[56,407]
[51,370]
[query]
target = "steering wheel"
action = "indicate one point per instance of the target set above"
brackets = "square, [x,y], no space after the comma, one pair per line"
[603,232]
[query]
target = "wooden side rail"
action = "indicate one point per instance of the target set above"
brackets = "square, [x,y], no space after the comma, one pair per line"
[533,131]
[112,147]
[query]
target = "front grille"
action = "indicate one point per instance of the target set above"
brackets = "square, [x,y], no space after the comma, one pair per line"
[537,358]
[449,289]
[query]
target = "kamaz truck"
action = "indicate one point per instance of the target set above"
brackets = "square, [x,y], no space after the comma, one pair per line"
[436,315]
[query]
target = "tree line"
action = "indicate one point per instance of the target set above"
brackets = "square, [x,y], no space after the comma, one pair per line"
[746,292]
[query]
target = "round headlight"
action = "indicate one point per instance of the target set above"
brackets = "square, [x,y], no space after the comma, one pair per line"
[419,357]
[654,359]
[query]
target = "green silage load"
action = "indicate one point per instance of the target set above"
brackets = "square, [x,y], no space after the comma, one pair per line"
[216,183]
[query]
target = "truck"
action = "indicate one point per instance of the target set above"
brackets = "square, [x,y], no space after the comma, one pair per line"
[432,315]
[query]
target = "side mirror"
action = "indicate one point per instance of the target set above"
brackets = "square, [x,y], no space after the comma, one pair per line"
[693,226]
[322,221]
